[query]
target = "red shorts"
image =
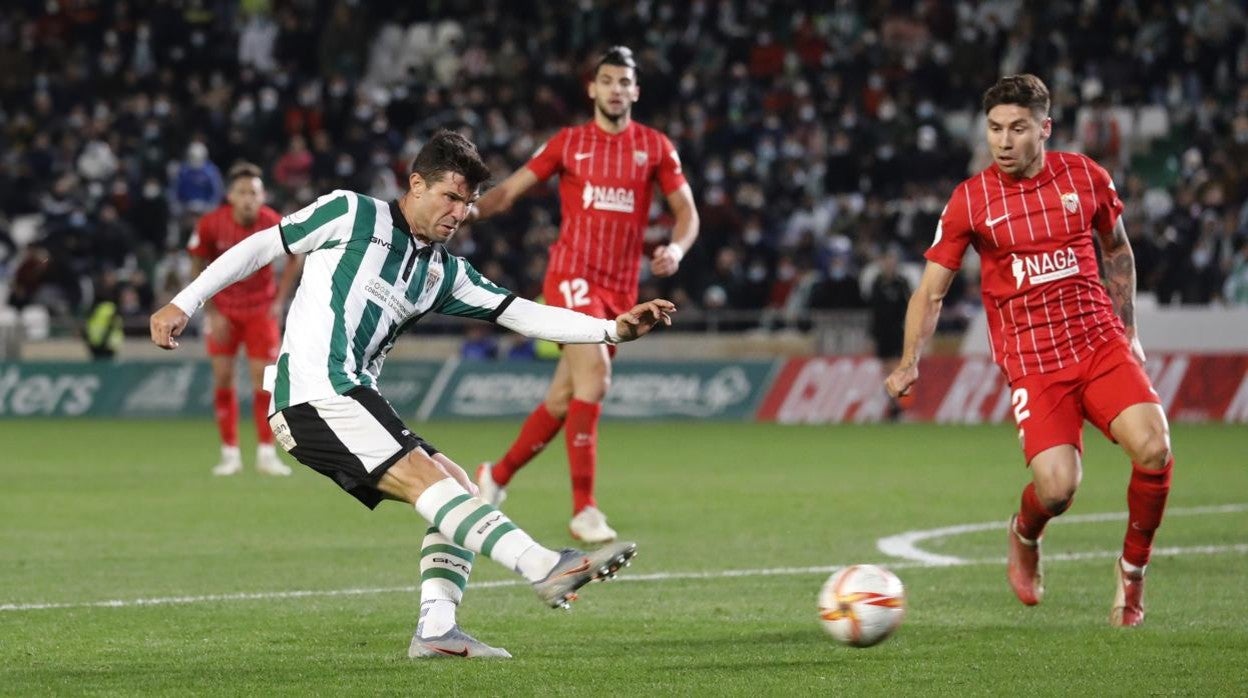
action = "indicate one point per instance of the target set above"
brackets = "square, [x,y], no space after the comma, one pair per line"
[1050,407]
[577,294]
[258,332]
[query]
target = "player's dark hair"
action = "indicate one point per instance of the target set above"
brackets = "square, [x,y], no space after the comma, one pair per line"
[241,169]
[621,56]
[1024,90]
[449,151]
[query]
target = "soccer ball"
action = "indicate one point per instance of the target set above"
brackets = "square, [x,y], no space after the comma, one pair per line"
[861,605]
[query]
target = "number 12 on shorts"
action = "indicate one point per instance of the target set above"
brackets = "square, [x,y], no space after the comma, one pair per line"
[575,292]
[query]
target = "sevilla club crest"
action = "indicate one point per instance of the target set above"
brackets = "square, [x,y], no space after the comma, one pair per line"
[1071,202]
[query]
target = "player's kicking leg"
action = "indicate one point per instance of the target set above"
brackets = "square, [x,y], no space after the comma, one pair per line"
[1145,436]
[442,494]
[542,424]
[1055,477]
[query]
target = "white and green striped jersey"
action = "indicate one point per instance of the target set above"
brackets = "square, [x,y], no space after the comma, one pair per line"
[365,280]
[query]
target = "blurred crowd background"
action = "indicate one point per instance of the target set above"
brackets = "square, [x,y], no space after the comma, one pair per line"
[821,144]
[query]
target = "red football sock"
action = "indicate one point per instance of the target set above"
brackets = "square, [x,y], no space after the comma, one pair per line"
[1146,502]
[225,406]
[260,410]
[1032,514]
[582,440]
[539,428]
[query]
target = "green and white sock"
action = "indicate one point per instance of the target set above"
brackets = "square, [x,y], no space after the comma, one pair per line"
[444,570]
[471,523]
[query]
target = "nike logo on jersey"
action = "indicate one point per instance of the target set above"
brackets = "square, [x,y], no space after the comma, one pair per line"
[993,221]
[581,156]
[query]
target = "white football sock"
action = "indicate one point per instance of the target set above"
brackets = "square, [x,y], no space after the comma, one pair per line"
[471,523]
[436,617]
[444,570]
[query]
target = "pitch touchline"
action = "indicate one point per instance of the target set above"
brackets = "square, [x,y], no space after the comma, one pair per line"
[1241,549]
[905,545]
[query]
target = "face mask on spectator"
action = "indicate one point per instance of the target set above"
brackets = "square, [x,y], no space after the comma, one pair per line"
[268,99]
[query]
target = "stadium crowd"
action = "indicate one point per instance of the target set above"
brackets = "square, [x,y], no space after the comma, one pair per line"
[816,142]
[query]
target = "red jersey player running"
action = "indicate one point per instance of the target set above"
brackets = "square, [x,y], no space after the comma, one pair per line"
[244,314]
[607,169]
[1066,342]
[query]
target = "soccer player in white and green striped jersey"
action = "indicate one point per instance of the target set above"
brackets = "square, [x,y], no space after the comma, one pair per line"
[372,269]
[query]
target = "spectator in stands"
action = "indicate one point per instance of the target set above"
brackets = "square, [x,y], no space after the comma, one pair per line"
[776,120]
[197,187]
[888,294]
[1235,290]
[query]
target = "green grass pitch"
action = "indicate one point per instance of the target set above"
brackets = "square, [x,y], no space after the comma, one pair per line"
[262,586]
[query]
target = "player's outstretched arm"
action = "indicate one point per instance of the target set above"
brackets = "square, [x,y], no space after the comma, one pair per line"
[570,327]
[500,198]
[1119,263]
[238,262]
[921,317]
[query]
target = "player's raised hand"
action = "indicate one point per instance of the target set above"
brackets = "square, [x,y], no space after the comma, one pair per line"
[899,381]
[666,259]
[167,324]
[643,318]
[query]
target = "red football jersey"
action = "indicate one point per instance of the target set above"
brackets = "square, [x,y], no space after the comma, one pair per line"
[217,232]
[1046,306]
[604,192]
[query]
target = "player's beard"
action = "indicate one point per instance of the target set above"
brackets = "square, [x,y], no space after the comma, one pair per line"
[605,111]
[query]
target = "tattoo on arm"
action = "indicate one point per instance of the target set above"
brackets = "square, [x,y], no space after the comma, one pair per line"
[1120,272]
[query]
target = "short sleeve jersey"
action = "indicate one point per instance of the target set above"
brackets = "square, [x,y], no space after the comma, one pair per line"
[365,280]
[605,187]
[1046,305]
[216,232]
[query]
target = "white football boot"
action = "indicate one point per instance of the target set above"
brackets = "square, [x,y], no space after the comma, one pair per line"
[231,462]
[491,493]
[268,463]
[590,526]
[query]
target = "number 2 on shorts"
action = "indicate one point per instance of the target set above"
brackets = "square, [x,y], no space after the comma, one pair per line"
[575,292]
[1019,400]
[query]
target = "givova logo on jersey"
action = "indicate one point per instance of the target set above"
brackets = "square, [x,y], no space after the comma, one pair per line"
[619,199]
[1044,267]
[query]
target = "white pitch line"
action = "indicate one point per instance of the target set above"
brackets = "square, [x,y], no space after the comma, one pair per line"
[1240,549]
[905,545]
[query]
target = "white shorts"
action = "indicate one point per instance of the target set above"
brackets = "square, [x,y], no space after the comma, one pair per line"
[351,439]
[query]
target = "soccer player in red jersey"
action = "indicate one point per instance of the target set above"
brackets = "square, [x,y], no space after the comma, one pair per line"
[607,169]
[1066,341]
[244,314]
